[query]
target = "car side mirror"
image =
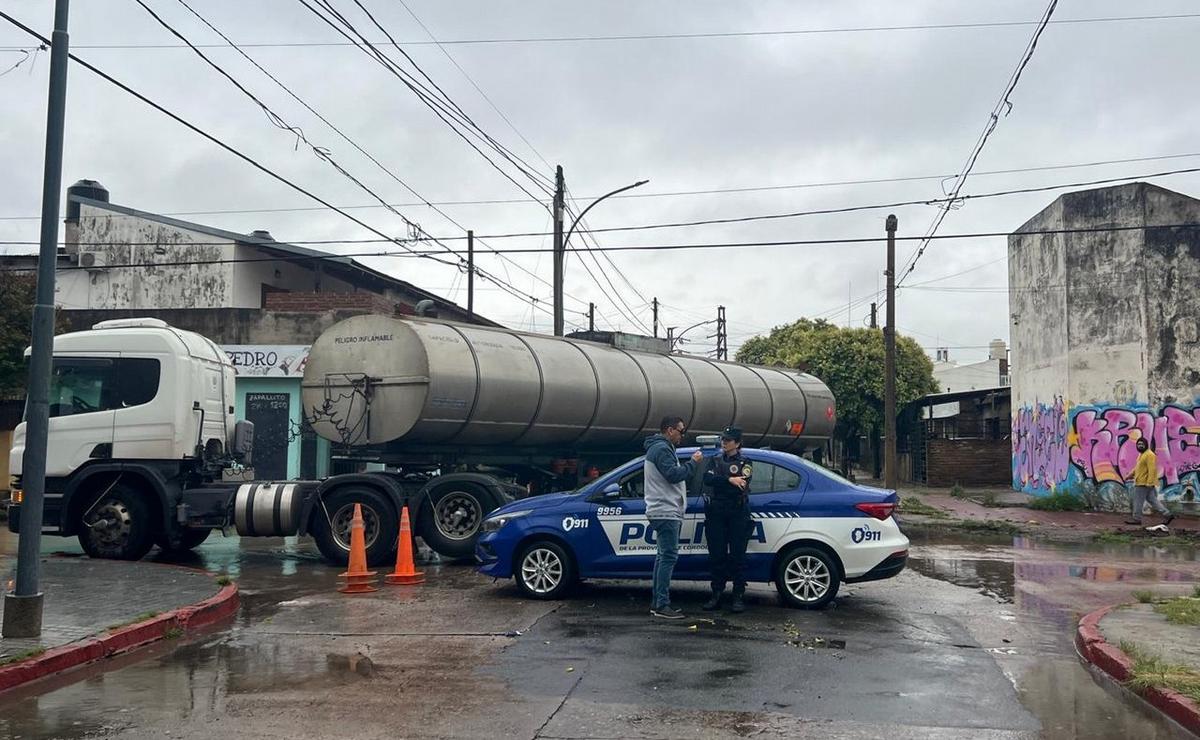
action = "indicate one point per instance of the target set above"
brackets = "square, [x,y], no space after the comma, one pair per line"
[611,492]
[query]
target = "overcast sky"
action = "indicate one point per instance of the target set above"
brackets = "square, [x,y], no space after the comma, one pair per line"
[686,113]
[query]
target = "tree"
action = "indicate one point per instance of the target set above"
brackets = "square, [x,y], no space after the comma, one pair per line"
[18,291]
[16,317]
[850,362]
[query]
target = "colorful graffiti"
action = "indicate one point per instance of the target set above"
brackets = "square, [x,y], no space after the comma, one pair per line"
[1103,443]
[1039,440]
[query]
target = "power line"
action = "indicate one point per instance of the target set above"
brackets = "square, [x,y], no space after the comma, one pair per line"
[664,194]
[347,139]
[1003,105]
[676,36]
[227,147]
[641,247]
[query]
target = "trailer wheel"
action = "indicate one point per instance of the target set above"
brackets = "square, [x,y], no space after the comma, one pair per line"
[120,526]
[190,540]
[381,525]
[451,518]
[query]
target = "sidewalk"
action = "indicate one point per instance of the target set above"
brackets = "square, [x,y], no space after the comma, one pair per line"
[1008,514]
[1155,657]
[94,609]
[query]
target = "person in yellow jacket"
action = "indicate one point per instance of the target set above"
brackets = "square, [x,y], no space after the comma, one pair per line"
[1145,485]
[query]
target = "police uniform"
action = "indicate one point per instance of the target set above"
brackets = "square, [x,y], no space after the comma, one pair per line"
[727,520]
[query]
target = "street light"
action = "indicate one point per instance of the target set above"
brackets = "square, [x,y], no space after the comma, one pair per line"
[578,218]
[679,337]
[560,243]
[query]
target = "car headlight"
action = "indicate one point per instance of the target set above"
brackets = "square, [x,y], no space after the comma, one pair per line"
[493,524]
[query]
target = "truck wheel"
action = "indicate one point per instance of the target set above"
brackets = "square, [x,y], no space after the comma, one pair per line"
[544,570]
[120,526]
[191,539]
[807,578]
[381,525]
[451,518]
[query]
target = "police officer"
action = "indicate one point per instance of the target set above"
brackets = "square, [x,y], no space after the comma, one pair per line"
[727,519]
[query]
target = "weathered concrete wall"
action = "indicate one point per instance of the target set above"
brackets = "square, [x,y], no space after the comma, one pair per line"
[123,239]
[249,277]
[1128,365]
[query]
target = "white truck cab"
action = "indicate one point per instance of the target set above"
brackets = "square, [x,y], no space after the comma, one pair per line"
[121,391]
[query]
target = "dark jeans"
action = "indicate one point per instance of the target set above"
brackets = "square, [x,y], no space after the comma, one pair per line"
[727,530]
[666,536]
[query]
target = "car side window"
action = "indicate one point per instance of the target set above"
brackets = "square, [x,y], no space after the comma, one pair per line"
[771,478]
[633,485]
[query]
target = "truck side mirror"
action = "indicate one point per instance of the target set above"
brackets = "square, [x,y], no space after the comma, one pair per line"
[243,441]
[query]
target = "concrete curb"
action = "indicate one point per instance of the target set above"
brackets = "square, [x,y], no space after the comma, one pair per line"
[210,611]
[1107,657]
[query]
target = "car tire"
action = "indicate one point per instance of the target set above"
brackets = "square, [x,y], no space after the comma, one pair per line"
[807,578]
[451,517]
[129,531]
[188,541]
[544,570]
[380,520]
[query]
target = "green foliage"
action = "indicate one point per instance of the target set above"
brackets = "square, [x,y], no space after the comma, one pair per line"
[1058,501]
[1150,671]
[957,491]
[16,316]
[1182,610]
[27,654]
[914,505]
[850,362]
[1144,597]
[224,580]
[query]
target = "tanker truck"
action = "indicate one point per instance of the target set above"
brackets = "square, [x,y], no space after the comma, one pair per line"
[451,420]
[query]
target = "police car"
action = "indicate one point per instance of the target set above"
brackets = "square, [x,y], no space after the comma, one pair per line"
[812,530]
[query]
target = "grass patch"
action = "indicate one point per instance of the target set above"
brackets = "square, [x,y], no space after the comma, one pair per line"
[1058,501]
[1124,538]
[224,581]
[1150,671]
[1182,610]
[1196,591]
[26,655]
[173,633]
[998,527]
[957,491]
[1144,597]
[917,507]
[139,618]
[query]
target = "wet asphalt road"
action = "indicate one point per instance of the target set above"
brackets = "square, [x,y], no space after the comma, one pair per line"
[973,641]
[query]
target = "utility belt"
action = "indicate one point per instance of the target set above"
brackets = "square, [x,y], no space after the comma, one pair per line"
[726,502]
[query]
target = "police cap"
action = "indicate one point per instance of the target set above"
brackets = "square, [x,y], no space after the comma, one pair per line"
[734,433]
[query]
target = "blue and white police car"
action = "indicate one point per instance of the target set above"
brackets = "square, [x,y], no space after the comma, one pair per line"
[812,530]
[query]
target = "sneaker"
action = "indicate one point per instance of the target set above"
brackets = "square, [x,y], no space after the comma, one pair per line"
[714,603]
[667,612]
[1136,522]
[738,606]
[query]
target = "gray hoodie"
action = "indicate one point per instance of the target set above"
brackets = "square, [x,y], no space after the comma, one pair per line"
[666,479]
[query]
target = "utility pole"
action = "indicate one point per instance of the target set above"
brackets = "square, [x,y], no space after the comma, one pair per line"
[591,316]
[655,304]
[889,362]
[559,253]
[874,315]
[470,275]
[23,607]
[722,335]
[670,339]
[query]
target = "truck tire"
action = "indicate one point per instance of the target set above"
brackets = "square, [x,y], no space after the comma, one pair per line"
[451,518]
[190,540]
[544,570]
[120,526]
[380,521]
[807,578]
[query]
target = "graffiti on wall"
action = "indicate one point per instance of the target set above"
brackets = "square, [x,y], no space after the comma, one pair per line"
[1039,439]
[1103,444]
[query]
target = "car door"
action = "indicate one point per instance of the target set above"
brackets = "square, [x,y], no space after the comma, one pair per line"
[629,545]
[776,493]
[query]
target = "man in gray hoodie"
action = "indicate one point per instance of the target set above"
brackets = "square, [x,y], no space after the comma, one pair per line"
[666,499]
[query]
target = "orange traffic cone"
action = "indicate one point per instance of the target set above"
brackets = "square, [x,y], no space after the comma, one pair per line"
[358,579]
[406,573]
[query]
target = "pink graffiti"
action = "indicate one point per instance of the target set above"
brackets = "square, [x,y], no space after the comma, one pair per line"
[1039,438]
[1105,443]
